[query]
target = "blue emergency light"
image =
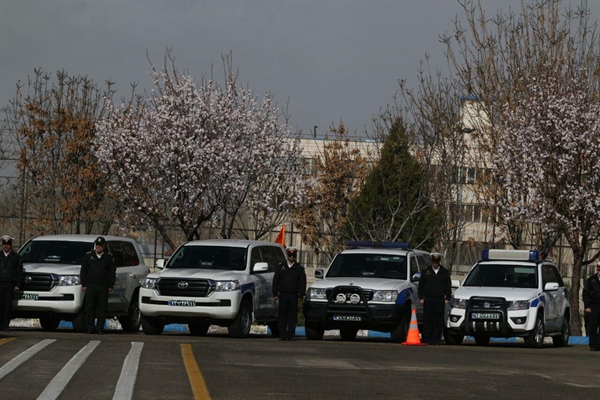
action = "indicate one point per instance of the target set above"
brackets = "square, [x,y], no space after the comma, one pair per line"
[519,255]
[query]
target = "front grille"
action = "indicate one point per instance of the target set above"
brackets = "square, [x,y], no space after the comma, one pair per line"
[368,294]
[491,304]
[184,287]
[39,282]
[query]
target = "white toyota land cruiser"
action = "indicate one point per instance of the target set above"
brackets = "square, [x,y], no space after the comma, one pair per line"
[52,289]
[214,282]
[369,286]
[510,293]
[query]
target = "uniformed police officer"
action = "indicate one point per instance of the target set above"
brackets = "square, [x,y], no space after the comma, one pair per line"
[435,289]
[591,308]
[289,285]
[11,278]
[98,275]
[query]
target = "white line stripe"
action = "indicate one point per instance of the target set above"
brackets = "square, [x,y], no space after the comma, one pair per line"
[124,390]
[21,358]
[60,381]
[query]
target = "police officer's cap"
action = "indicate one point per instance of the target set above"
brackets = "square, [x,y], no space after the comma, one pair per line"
[100,241]
[436,258]
[6,239]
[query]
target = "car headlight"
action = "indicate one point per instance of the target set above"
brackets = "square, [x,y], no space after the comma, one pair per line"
[316,294]
[518,305]
[227,286]
[458,303]
[385,295]
[148,283]
[68,280]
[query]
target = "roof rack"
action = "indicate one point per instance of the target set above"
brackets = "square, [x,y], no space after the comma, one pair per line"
[380,245]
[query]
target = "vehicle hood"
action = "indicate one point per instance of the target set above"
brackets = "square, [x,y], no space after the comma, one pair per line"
[365,283]
[466,292]
[54,268]
[195,273]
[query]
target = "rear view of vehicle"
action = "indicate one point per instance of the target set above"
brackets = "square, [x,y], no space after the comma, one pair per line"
[510,293]
[372,286]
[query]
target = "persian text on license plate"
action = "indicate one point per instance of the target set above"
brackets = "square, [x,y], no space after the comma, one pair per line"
[182,303]
[347,318]
[26,296]
[477,315]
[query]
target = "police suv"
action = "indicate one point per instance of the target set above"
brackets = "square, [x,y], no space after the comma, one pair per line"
[510,293]
[223,282]
[368,286]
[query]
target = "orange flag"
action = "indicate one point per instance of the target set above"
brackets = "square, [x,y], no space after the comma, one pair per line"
[281,236]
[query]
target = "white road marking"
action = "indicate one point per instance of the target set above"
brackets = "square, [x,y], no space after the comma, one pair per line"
[126,383]
[60,381]
[24,356]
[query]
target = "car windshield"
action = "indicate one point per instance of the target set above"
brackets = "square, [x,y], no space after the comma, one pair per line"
[502,275]
[40,251]
[351,265]
[209,257]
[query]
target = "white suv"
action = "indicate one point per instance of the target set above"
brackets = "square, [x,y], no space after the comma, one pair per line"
[52,289]
[223,282]
[369,286]
[510,293]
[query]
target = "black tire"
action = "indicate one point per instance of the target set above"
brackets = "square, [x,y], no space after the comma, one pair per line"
[482,340]
[453,339]
[348,334]
[314,331]
[198,329]
[79,322]
[401,332]
[152,326]
[274,328]
[240,328]
[536,337]
[133,320]
[565,332]
[49,324]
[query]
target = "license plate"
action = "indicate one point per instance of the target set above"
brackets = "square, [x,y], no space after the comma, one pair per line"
[478,315]
[347,318]
[182,303]
[27,296]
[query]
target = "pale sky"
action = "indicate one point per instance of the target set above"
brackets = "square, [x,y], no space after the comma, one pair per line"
[328,60]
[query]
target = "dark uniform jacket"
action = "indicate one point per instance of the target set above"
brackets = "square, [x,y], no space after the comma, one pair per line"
[11,268]
[289,280]
[98,270]
[432,284]
[591,291]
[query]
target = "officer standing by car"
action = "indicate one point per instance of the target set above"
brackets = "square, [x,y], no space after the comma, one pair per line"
[98,275]
[591,308]
[11,278]
[289,285]
[435,290]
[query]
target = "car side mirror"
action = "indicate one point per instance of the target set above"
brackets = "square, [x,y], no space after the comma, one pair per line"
[455,283]
[551,287]
[319,274]
[416,277]
[260,267]
[160,263]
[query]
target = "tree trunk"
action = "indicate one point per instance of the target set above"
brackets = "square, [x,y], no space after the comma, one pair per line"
[574,301]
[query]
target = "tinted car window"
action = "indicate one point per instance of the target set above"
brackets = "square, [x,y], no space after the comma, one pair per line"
[255,257]
[273,256]
[130,256]
[51,251]
[117,252]
[502,275]
[209,257]
[368,265]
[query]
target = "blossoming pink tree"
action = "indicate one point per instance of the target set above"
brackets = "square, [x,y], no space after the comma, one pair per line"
[547,160]
[194,154]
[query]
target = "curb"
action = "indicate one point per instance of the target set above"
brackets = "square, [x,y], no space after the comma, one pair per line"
[263,330]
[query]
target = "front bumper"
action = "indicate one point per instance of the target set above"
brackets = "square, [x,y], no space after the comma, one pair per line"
[60,300]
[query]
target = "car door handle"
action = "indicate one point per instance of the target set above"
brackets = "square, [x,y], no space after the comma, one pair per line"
[132,275]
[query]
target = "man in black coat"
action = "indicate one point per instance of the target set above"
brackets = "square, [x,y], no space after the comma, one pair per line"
[98,275]
[289,285]
[435,289]
[591,308]
[11,278]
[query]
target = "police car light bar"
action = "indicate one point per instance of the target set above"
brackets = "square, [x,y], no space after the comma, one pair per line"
[519,255]
[381,245]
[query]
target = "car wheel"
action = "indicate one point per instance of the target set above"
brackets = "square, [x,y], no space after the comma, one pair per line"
[274,328]
[314,331]
[49,324]
[482,340]
[198,329]
[79,322]
[401,332]
[152,326]
[132,321]
[240,328]
[565,332]
[536,337]
[348,334]
[454,339]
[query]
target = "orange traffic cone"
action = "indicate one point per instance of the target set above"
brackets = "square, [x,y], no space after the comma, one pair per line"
[413,338]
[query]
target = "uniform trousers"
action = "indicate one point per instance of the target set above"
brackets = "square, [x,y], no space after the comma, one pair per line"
[7,293]
[433,318]
[594,326]
[96,302]
[288,315]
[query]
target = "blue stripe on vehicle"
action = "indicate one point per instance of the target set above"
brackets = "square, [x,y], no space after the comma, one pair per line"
[404,296]
[249,286]
[537,301]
